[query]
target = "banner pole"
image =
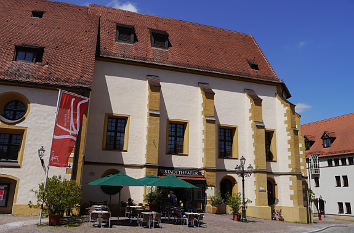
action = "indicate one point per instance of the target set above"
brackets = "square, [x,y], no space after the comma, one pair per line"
[50,154]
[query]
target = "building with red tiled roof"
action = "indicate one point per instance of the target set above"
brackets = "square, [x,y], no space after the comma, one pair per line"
[166,97]
[330,152]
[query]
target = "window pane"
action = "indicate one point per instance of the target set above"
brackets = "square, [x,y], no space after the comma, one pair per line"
[20,56]
[29,56]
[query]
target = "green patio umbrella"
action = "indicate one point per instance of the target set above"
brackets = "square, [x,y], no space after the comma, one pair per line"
[119,179]
[148,179]
[171,181]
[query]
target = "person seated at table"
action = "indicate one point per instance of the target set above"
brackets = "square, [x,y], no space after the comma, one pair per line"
[173,198]
[180,204]
[131,202]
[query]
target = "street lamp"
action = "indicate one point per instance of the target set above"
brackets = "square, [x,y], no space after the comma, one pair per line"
[240,171]
[41,155]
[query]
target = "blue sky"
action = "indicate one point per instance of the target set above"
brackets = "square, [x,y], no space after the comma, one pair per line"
[309,43]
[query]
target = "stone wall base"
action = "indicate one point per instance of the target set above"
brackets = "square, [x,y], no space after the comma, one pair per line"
[293,214]
[340,217]
[263,212]
[23,209]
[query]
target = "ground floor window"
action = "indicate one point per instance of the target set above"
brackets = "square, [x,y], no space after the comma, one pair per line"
[4,194]
[348,207]
[340,208]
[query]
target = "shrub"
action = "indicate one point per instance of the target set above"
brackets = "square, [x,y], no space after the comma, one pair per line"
[60,195]
[217,199]
[234,202]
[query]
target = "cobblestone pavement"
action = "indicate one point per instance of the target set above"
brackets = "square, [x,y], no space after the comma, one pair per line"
[213,223]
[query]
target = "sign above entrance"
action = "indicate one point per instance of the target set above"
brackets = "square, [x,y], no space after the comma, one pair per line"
[172,171]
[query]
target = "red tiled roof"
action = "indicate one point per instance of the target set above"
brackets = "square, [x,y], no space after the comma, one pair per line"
[342,128]
[67,32]
[193,46]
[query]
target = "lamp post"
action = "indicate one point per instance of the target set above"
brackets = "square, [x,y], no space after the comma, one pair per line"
[41,155]
[240,171]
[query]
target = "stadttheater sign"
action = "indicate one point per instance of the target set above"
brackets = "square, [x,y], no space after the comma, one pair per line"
[172,171]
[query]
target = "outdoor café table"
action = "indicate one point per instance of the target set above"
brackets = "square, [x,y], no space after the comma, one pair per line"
[100,213]
[189,214]
[134,208]
[151,217]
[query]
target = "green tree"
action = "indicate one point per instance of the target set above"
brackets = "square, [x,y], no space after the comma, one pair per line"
[59,196]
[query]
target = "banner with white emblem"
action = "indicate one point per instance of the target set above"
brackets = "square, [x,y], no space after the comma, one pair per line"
[69,116]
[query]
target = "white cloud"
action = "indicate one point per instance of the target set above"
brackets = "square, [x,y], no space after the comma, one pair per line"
[128,6]
[301,44]
[301,107]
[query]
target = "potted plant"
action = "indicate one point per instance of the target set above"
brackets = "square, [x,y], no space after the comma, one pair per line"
[235,203]
[154,200]
[59,196]
[218,204]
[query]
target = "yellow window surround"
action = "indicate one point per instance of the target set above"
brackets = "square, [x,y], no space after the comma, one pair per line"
[9,129]
[126,131]
[234,129]
[185,136]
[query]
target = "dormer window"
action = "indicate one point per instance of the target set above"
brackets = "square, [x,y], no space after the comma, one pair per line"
[327,140]
[159,39]
[37,14]
[28,54]
[253,66]
[126,34]
[308,143]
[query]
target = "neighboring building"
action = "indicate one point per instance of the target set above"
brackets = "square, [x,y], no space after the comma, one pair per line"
[330,154]
[166,97]
[42,49]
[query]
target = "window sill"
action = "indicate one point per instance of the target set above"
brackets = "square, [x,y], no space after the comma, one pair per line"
[177,154]
[271,161]
[10,164]
[228,158]
[116,150]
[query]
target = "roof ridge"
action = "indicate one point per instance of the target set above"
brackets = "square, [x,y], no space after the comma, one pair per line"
[330,119]
[185,21]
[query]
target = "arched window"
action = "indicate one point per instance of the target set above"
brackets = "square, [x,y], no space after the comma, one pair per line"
[14,110]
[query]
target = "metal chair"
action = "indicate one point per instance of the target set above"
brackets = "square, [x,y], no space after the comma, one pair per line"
[157,219]
[200,218]
[106,217]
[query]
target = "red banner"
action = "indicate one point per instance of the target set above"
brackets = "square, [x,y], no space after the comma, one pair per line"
[70,111]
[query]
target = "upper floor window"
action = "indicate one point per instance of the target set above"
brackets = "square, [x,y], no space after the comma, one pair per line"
[338,184]
[344,161]
[159,39]
[345,181]
[317,181]
[330,162]
[176,138]
[336,162]
[28,54]
[10,145]
[14,110]
[125,34]
[270,145]
[253,66]
[115,137]
[350,161]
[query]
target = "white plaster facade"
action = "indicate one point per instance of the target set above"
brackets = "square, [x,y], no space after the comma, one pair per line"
[122,89]
[40,124]
[328,190]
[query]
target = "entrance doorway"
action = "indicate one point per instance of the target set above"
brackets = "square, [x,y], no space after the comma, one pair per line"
[228,185]
[271,192]
[7,194]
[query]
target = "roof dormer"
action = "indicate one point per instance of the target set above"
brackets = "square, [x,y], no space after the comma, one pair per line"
[308,142]
[327,139]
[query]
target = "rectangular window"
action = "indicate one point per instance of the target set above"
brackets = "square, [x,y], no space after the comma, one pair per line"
[115,133]
[4,194]
[37,14]
[270,148]
[340,208]
[225,142]
[336,162]
[159,39]
[350,161]
[330,162]
[125,34]
[344,161]
[28,54]
[338,184]
[326,142]
[345,181]
[317,181]
[10,145]
[176,137]
[348,207]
